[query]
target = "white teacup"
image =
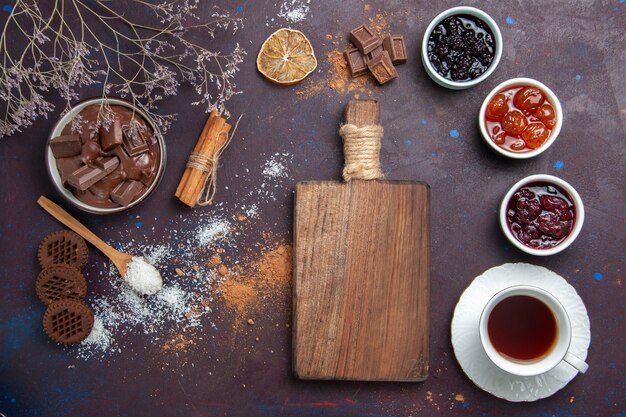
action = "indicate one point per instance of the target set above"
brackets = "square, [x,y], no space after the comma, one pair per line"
[513,362]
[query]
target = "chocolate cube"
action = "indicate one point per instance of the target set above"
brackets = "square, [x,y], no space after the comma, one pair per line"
[364,39]
[382,69]
[65,146]
[374,54]
[356,62]
[396,48]
[126,191]
[112,136]
[134,142]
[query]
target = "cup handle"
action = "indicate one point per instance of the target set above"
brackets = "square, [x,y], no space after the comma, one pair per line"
[580,365]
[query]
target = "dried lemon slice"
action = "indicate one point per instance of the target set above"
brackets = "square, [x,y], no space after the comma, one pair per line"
[286,57]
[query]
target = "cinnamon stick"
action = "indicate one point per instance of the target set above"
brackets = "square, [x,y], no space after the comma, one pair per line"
[199,144]
[183,181]
[211,140]
[211,147]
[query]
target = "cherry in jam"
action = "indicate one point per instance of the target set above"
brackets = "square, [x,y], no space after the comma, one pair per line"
[540,215]
[520,118]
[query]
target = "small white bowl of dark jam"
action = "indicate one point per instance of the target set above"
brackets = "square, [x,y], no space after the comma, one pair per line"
[520,118]
[541,215]
[461,47]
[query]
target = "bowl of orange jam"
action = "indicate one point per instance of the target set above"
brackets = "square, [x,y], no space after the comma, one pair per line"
[520,118]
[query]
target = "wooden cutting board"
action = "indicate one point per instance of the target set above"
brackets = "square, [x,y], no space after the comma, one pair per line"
[361,276]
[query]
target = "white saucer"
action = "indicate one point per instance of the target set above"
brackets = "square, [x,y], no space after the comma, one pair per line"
[471,355]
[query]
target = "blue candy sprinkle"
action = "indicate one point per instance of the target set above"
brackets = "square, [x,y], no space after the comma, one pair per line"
[578,77]
[558,165]
[407,142]
[138,224]
[509,20]
[454,134]
[598,276]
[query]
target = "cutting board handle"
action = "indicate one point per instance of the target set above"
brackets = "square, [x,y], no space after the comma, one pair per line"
[362,135]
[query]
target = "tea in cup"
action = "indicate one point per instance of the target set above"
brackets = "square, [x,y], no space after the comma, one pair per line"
[526,331]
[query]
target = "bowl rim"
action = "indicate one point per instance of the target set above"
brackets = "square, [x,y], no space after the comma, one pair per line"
[556,104]
[53,172]
[461,85]
[578,222]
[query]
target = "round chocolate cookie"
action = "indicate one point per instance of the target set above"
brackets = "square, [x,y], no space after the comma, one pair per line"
[58,282]
[68,321]
[62,247]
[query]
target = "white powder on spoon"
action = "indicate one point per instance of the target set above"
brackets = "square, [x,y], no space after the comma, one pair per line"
[143,277]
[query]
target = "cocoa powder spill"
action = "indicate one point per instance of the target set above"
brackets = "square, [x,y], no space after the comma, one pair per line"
[337,78]
[256,281]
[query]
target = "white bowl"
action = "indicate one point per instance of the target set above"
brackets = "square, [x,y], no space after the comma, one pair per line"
[550,96]
[53,172]
[571,192]
[461,85]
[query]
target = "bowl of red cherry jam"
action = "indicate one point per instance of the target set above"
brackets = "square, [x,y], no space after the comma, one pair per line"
[541,215]
[520,118]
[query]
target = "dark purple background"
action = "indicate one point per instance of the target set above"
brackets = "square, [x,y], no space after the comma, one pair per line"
[431,134]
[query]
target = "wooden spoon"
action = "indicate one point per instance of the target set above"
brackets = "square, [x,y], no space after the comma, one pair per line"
[119,259]
[144,278]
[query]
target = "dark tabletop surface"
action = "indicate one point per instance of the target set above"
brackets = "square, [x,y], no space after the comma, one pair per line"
[213,363]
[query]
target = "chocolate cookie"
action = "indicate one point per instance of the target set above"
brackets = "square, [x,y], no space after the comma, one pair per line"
[58,282]
[68,321]
[62,247]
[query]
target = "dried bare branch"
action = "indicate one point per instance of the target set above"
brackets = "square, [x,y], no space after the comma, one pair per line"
[142,61]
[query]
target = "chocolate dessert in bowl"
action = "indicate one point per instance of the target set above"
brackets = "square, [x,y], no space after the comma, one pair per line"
[105,164]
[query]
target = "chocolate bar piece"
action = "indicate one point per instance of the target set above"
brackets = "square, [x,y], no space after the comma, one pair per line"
[396,48]
[373,54]
[364,39]
[66,166]
[107,164]
[134,143]
[111,137]
[87,175]
[65,146]
[126,191]
[356,62]
[382,69]
[84,177]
